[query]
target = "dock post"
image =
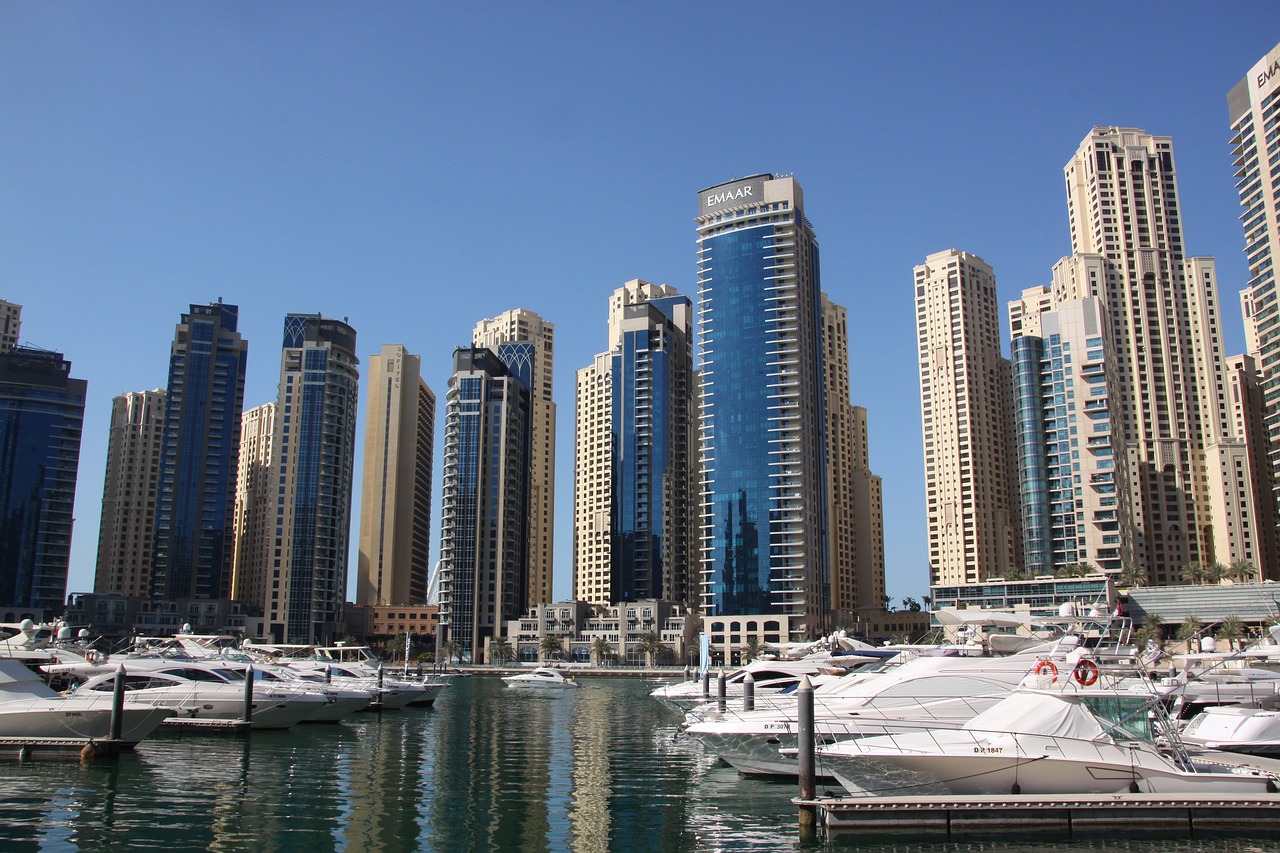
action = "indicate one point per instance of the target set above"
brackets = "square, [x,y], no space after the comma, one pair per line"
[749,692]
[117,705]
[706,683]
[688,674]
[247,714]
[805,738]
[720,689]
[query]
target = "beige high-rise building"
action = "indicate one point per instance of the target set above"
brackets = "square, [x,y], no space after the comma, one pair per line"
[255,509]
[593,482]
[522,326]
[10,324]
[127,530]
[855,525]
[1163,313]
[964,394]
[1246,408]
[395,497]
[1252,106]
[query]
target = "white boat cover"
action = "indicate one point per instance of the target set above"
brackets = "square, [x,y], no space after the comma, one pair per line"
[1037,714]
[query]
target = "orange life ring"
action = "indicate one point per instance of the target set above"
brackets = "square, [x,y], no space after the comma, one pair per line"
[91,657]
[1086,673]
[1049,667]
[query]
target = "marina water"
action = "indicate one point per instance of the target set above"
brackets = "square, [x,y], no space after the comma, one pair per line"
[603,768]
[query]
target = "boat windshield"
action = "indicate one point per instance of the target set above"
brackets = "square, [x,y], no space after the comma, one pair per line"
[1123,717]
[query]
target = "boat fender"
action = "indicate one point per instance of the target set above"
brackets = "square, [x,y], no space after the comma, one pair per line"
[1047,667]
[87,752]
[1086,673]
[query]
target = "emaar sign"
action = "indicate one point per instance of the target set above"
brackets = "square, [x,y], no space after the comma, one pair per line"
[732,195]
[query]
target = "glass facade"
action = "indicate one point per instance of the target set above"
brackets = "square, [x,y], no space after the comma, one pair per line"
[484,554]
[764,536]
[315,425]
[1026,354]
[195,502]
[41,416]
[651,420]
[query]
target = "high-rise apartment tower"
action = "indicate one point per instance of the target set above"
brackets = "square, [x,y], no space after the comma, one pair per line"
[395,497]
[965,384]
[194,528]
[763,521]
[126,532]
[532,361]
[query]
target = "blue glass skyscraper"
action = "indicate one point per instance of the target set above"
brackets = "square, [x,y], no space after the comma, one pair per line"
[41,416]
[652,385]
[484,557]
[763,524]
[196,500]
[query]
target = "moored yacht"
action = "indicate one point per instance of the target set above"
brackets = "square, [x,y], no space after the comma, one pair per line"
[31,710]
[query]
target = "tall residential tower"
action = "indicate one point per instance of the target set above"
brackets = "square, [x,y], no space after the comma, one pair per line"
[764,521]
[126,532]
[532,361]
[395,495]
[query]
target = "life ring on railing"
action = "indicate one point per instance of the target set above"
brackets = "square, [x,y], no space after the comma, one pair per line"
[92,656]
[1086,673]
[1047,666]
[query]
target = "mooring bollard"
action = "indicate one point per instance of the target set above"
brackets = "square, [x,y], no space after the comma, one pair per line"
[720,688]
[247,714]
[117,705]
[706,683]
[328,675]
[749,692]
[688,674]
[805,744]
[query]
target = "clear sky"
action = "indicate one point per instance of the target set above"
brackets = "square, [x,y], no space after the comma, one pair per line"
[415,167]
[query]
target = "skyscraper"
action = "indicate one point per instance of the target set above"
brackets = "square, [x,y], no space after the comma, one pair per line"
[484,530]
[41,416]
[314,447]
[131,488]
[970,493]
[532,361]
[1252,106]
[1074,488]
[10,324]
[634,457]
[855,513]
[195,505]
[257,498]
[395,497]
[1162,312]
[763,522]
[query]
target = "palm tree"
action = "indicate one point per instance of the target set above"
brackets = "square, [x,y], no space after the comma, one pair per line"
[751,649]
[1190,629]
[550,647]
[1229,631]
[1193,573]
[1132,575]
[601,650]
[1152,628]
[1013,573]
[1214,573]
[500,650]
[1242,571]
[651,645]
[450,650]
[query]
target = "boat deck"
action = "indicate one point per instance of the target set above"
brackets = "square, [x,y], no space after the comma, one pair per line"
[1070,813]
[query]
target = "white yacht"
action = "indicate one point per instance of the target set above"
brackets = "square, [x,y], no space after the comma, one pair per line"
[194,690]
[353,666]
[1236,728]
[1038,742]
[31,710]
[542,678]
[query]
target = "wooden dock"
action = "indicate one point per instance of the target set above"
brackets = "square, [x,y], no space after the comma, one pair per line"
[32,749]
[205,725]
[946,815]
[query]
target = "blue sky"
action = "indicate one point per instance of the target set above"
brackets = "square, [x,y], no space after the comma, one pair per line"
[417,166]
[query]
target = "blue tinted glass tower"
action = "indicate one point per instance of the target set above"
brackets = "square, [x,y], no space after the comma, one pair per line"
[763,524]
[484,556]
[652,408]
[195,503]
[41,416]
[314,445]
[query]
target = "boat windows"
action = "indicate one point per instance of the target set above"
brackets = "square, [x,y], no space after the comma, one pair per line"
[1123,717]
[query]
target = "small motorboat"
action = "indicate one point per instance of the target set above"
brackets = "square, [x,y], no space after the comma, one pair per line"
[542,677]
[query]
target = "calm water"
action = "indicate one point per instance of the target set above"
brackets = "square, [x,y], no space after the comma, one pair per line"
[596,769]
